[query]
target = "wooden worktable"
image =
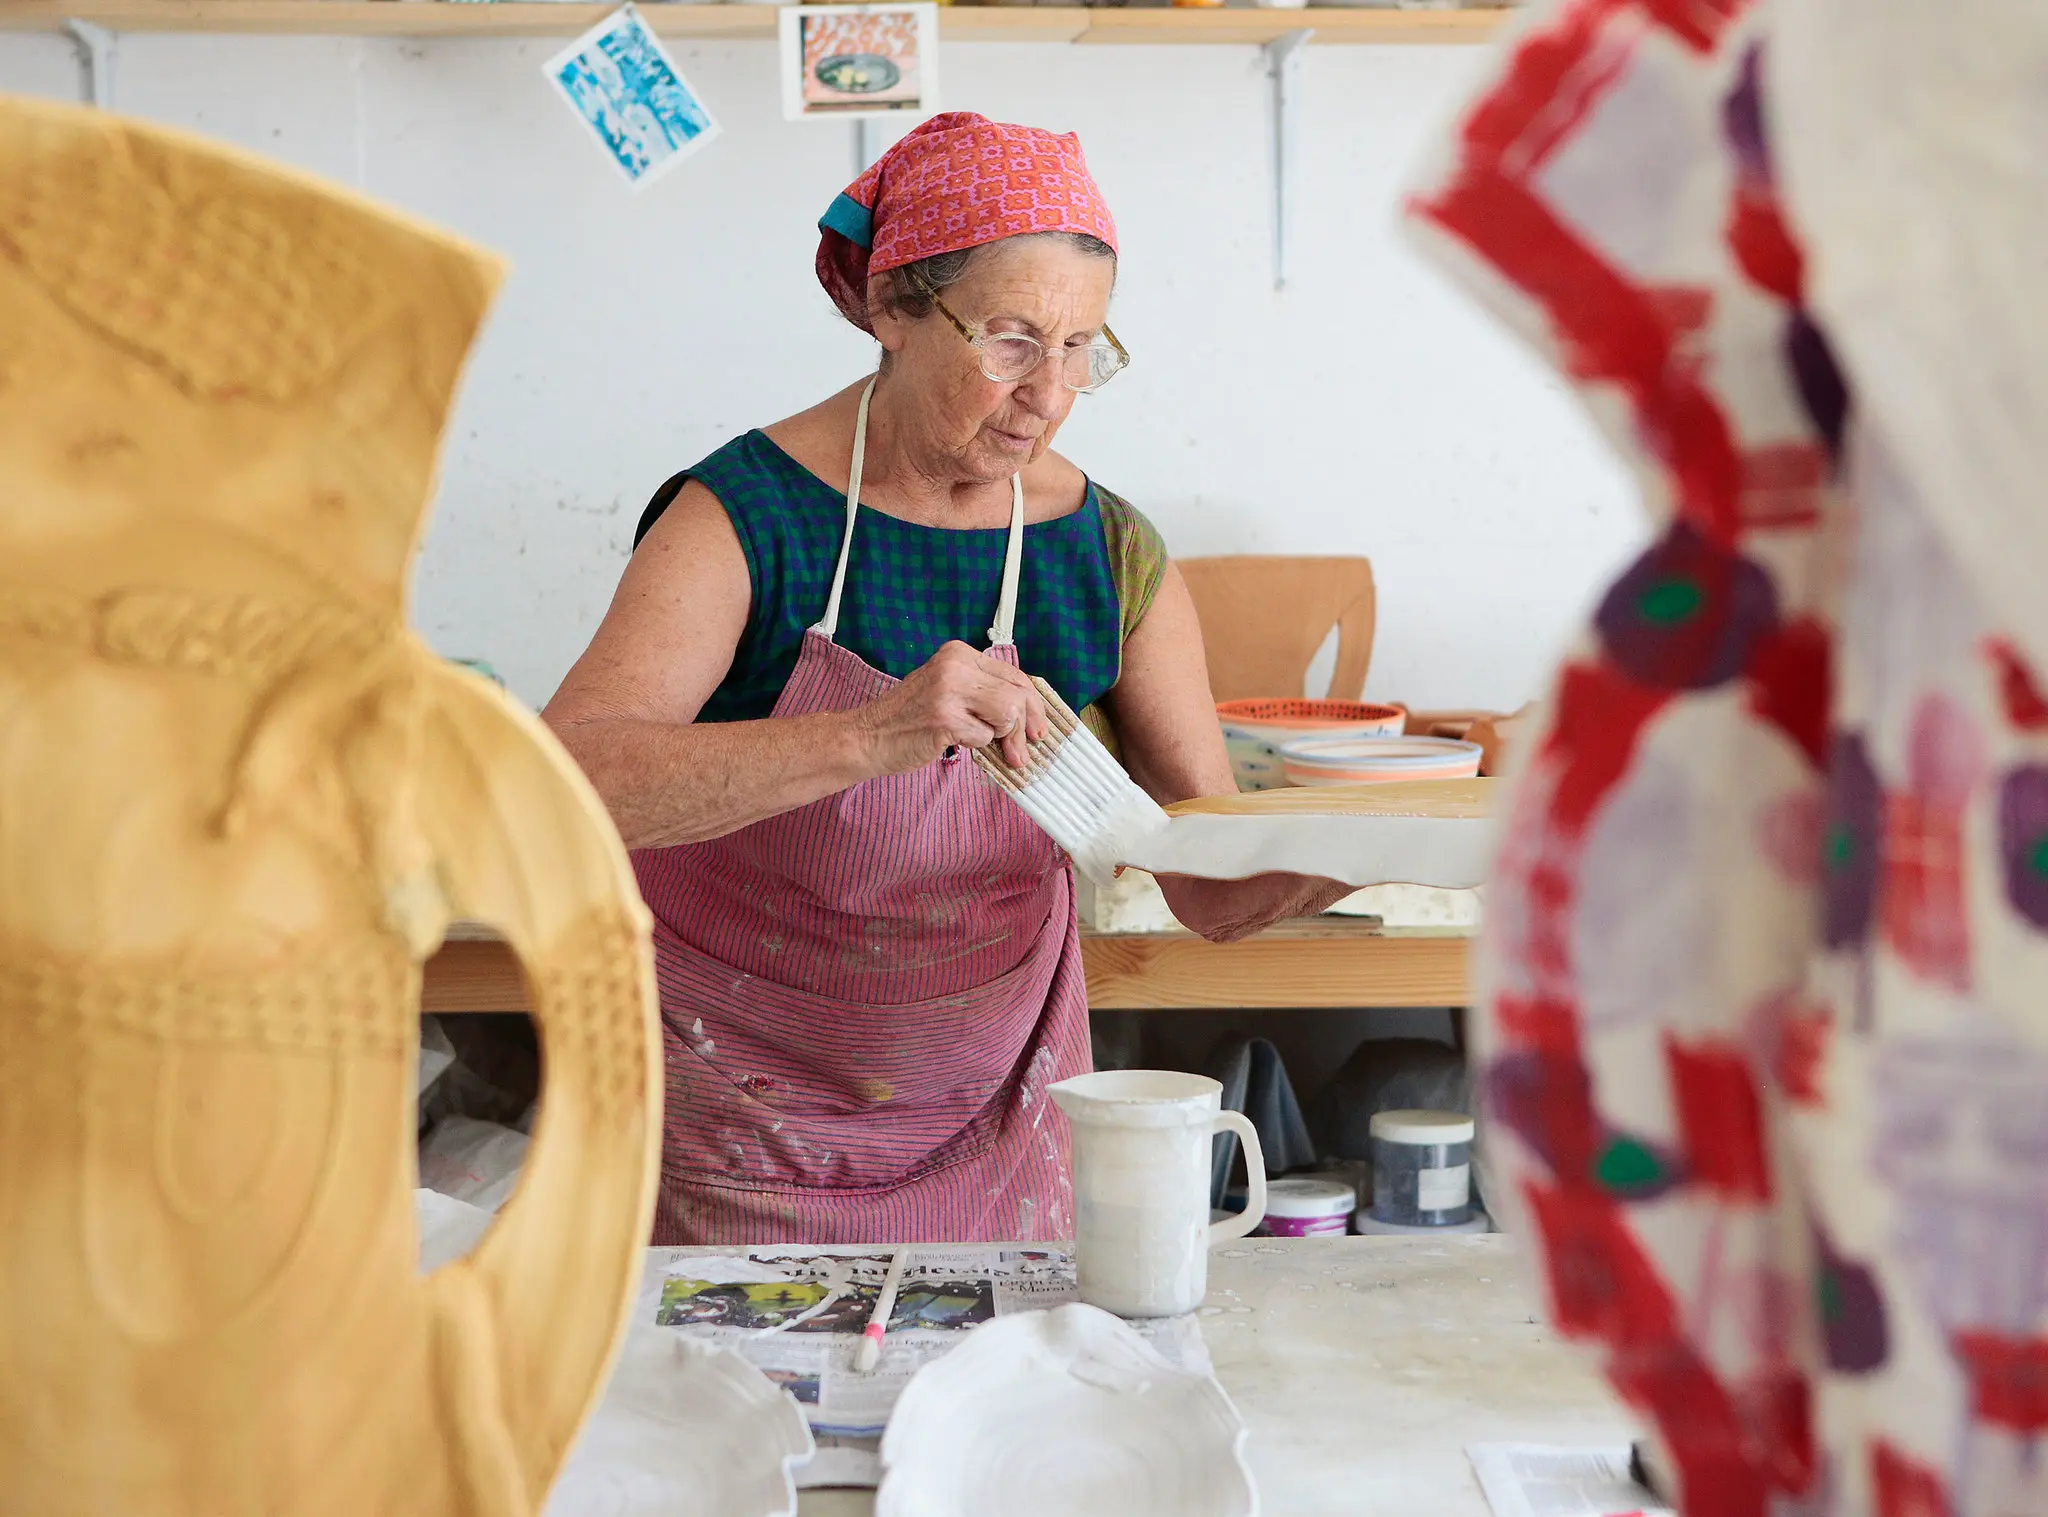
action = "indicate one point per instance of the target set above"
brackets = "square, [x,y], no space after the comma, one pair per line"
[1318,961]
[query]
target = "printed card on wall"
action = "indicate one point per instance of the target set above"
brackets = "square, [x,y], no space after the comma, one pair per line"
[842,61]
[627,89]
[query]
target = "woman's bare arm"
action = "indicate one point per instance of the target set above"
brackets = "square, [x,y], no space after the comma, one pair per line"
[1173,747]
[627,712]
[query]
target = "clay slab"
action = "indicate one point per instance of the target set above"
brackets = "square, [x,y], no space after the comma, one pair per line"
[1448,854]
[1065,1412]
[1434,833]
[685,1427]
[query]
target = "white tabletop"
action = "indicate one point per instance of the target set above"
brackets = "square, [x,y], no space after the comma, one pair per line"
[1364,1366]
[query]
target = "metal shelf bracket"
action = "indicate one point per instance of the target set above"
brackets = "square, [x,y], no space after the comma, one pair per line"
[97,48]
[867,144]
[1283,68]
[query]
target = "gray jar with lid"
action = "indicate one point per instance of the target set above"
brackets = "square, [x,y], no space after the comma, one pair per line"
[1422,1168]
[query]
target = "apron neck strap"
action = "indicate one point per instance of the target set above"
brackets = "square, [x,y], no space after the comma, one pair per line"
[1004,630]
[828,624]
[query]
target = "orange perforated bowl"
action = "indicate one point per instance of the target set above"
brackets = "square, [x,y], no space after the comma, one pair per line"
[1254,731]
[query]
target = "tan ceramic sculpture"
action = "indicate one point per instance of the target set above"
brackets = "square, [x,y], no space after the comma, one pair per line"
[239,801]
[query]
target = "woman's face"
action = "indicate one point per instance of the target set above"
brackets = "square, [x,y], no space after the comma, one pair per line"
[976,427]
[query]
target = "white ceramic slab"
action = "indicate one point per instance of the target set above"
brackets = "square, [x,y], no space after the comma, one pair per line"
[1449,853]
[685,1429]
[1063,1413]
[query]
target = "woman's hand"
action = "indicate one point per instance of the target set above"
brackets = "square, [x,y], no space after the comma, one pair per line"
[958,699]
[628,711]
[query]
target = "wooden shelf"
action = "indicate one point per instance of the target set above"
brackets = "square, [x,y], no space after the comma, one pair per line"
[472,975]
[528,18]
[1322,962]
[1325,961]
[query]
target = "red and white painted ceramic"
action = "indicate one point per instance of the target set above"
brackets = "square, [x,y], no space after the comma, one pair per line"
[1254,731]
[1367,760]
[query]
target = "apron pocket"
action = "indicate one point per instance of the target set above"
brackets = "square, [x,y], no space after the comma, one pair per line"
[769,1084]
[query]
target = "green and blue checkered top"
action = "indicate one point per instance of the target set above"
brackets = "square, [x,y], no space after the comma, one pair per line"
[1087,580]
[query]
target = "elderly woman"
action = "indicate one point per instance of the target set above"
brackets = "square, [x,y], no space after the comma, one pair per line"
[869,962]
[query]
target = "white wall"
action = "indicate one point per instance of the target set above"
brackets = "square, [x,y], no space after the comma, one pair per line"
[1368,409]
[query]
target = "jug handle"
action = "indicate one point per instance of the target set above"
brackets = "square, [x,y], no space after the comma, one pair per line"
[522,842]
[1254,1175]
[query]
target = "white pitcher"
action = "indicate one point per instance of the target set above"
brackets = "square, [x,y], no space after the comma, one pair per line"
[1142,1146]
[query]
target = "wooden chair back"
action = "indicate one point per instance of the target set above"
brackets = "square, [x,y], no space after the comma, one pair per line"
[1264,616]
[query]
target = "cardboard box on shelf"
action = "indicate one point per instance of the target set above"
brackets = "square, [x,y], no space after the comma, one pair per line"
[1496,732]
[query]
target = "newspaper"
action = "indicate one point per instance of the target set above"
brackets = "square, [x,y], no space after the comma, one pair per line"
[797,1313]
[1548,1480]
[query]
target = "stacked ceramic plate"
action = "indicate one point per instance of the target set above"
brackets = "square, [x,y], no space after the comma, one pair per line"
[1256,731]
[1368,760]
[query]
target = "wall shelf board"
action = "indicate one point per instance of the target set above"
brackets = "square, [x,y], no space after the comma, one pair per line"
[1318,962]
[536,18]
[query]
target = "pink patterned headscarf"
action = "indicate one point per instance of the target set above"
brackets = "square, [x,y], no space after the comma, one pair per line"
[957,181]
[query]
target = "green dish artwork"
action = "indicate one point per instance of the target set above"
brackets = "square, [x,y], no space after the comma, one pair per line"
[858,73]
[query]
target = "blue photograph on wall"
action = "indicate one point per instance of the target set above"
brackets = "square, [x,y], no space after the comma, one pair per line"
[628,91]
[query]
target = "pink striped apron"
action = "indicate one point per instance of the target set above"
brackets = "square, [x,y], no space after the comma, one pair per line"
[864,999]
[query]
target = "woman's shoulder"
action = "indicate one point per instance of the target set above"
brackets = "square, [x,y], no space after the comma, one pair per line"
[748,476]
[1126,530]
[748,466]
[1135,549]
[1122,520]
[817,441]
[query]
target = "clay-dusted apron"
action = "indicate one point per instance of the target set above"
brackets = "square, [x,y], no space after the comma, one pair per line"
[864,999]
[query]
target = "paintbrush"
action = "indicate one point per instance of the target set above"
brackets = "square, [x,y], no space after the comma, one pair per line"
[1418,832]
[870,1351]
[1077,793]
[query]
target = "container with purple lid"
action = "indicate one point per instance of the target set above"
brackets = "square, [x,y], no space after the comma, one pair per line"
[1308,1206]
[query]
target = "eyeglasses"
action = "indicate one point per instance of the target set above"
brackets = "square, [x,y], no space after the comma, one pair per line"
[1007,357]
